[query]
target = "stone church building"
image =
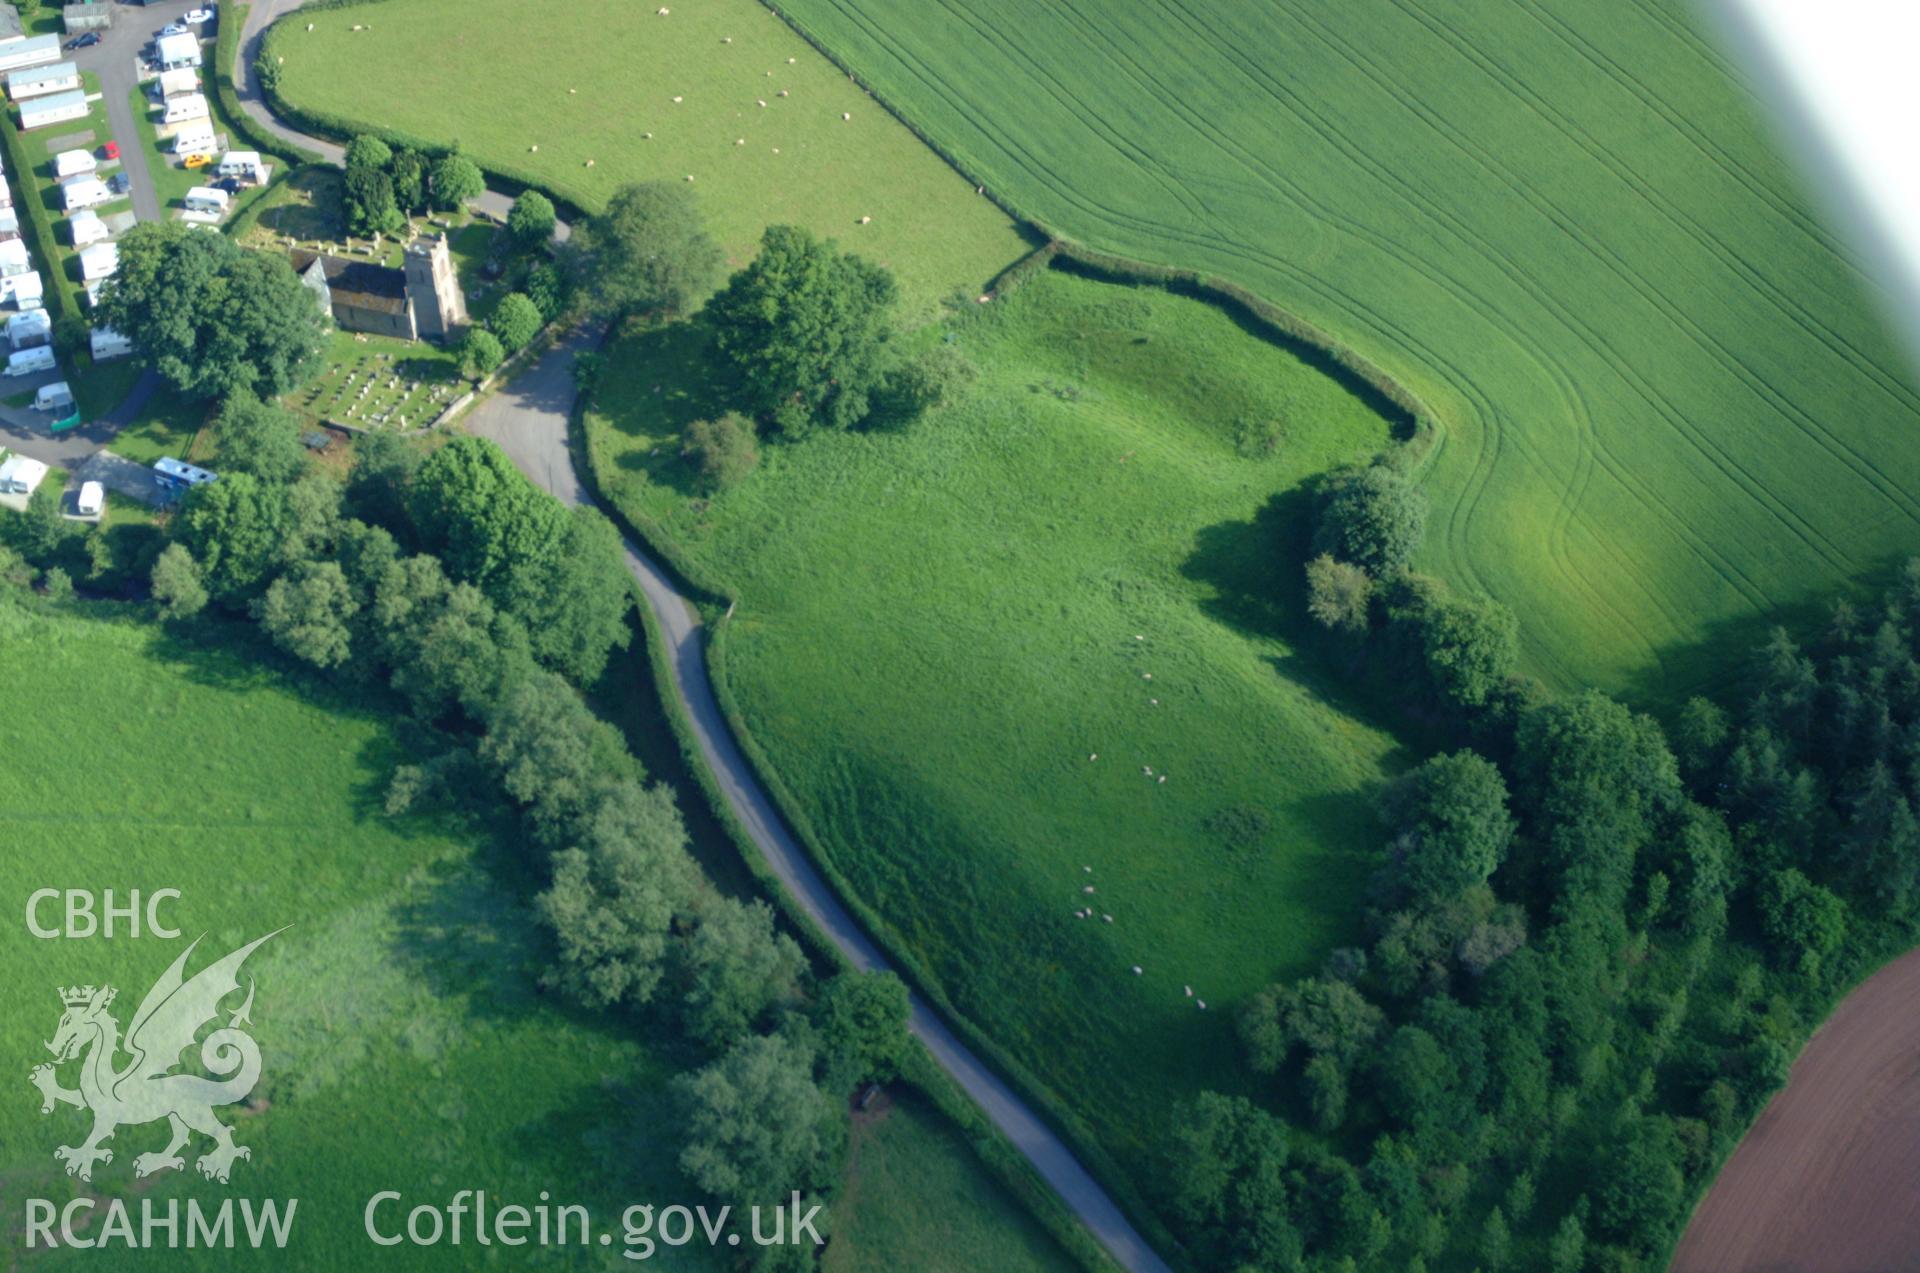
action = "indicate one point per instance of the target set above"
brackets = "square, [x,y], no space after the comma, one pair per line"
[419,301]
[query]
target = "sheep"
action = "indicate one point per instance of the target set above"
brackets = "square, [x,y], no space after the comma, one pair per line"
[646,136]
[1096,755]
[866,220]
[572,91]
[663,11]
[689,176]
[791,61]
[1088,889]
[783,92]
[726,39]
[1200,1004]
[1136,970]
[1146,676]
[1107,917]
[678,100]
[1147,770]
[309,26]
[1139,636]
[760,102]
[1163,777]
[1189,990]
[776,150]
[740,141]
[589,163]
[1154,701]
[1087,869]
[532,149]
[845,115]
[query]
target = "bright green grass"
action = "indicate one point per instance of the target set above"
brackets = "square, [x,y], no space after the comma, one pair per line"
[496,76]
[913,1200]
[1669,405]
[936,630]
[404,1044]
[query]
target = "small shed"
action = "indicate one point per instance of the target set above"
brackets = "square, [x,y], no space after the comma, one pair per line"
[21,474]
[91,499]
[13,258]
[176,51]
[54,108]
[38,81]
[87,228]
[73,163]
[105,344]
[86,17]
[56,395]
[35,50]
[174,476]
[29,328]
[99,261]
[83,192]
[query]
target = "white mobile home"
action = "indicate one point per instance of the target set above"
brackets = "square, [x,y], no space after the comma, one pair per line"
[91,499]
[27,290]
[99,261]
[244,164]
[6,195]
[25,362]
[13,258]
[72,163]
[83,192]
[105,343]
[9,224]
[195,139]
[21,475]
[33,327]
[87,228]
[38,81]
[177,51]
[208,199]
[37,50]
[174,83]
[55,396]
[185,107]
[54,108]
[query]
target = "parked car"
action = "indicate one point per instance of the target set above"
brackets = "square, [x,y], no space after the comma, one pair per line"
[196,16]
[85,40]
[232,185]
[196,161]
[119,183]
[111,150]
[174,28]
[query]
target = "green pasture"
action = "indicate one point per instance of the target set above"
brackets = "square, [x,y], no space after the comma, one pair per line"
[938,629]
[405,1045]
[1670,408]
[596,85]
[912,1201]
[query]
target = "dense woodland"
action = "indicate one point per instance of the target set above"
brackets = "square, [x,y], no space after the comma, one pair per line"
[1592,949]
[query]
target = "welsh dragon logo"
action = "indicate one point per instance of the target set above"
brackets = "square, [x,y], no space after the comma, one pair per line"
[145,1088]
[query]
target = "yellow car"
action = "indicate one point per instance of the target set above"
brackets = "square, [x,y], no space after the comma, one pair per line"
[197,161]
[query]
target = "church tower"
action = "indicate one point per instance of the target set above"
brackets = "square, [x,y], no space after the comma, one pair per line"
[433,289]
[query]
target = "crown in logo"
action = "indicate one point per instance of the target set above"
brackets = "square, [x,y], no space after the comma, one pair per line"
[77,996]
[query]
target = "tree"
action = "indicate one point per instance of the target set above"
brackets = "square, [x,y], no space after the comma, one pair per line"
[454,180]
[1470,647]
[176,582]
[1567,1249]
[480,352]
[234,528]
[531,220]
[738,970]
[805,328]
[755,1126]
[309,612]
[862,1023]
[370,204]
[1700,738]
[614,896]
[447,645]
[254,437]
[58,584]
[553,755]
[1326,1085]
[1451,825]
[1496,1241]
[547,288]
[937,377]
[1230,1184]
[210,316]
[1328,1018]
[409,174]
[1804,922]
[1371,516]
[649,250]
[1640,1189]
[381,480]
[1339,596]
[723,450]
[368,151]
[516,321]
[39,533]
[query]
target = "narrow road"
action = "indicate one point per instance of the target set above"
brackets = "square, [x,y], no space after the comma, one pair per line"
[115,61]
[529,418]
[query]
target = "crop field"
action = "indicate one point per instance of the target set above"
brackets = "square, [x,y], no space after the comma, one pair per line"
[721,91]
[1670,409]
[399,1004]
[939,630]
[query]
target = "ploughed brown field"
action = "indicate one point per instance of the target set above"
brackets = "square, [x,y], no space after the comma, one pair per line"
[1828,1180]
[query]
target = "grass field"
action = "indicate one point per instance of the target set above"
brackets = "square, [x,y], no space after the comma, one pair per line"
[937,630]
[405,1046]
[910,1202]
[599,84]
[1670,407]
